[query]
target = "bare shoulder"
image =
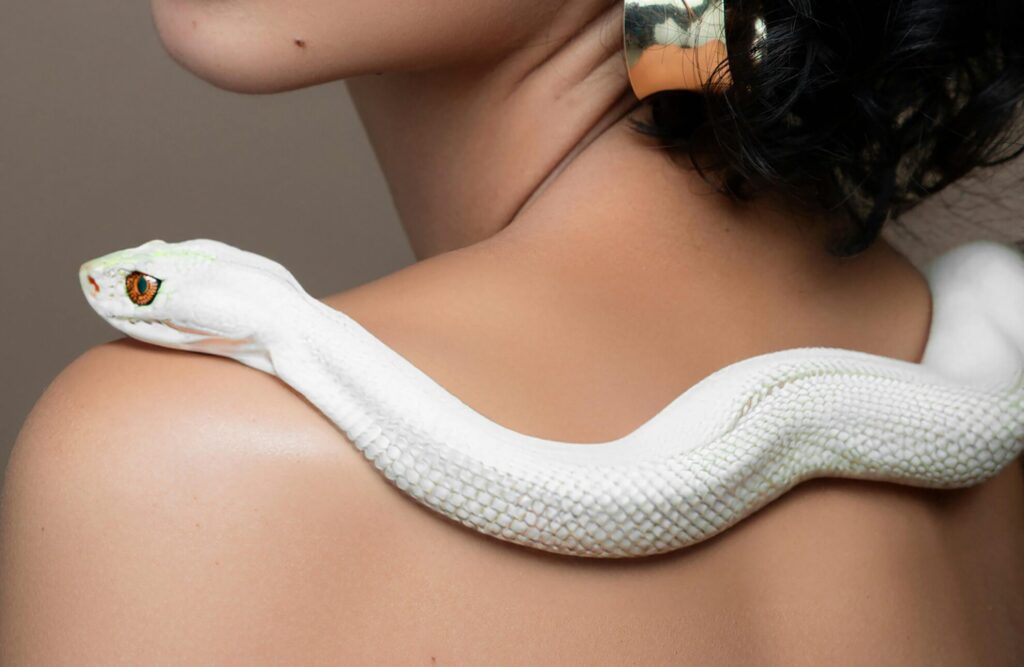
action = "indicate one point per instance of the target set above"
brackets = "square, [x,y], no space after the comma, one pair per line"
[130,402]
[159,502]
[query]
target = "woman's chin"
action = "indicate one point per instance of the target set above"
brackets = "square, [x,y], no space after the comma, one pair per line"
[233,51]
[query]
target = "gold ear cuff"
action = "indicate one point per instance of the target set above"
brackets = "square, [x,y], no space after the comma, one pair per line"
[674,44]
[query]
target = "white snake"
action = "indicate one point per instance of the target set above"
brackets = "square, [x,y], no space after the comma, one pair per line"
[724,448]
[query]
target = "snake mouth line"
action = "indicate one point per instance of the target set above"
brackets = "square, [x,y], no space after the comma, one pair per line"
[195,332]
[169,325]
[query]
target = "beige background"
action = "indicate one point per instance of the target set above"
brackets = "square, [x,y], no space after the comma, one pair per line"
[105,143]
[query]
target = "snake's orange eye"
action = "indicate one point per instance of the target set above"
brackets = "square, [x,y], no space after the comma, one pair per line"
[141,288]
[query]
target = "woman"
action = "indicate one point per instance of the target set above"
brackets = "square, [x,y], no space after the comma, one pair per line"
[162,507]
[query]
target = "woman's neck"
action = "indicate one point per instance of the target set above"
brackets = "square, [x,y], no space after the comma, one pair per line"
[465,147]
[548,219]
[535,148]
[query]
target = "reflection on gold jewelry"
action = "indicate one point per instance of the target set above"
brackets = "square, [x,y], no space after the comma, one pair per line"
[674,44]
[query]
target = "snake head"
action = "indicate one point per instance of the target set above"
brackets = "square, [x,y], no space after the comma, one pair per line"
[200,295]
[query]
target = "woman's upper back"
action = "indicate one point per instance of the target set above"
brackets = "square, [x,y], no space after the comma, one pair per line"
[157,496]
[833,570]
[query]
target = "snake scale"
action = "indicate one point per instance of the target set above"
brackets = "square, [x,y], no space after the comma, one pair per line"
[727,446]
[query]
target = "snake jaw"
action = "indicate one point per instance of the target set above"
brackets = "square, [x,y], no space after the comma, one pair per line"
[206,295]
[103,281]
[160,333]
[147,323]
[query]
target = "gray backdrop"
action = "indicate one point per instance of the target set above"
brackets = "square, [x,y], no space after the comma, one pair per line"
[105,143]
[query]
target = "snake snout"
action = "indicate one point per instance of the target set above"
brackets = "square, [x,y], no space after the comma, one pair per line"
[90,285]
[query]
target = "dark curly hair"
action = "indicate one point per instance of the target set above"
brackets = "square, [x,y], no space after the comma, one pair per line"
[864,107]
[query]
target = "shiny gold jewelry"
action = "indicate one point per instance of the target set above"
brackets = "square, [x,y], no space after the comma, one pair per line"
[674,44]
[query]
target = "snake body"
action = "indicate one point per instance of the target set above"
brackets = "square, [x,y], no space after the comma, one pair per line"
[724,448]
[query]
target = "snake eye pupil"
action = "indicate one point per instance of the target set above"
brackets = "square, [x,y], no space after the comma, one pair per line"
[141,288]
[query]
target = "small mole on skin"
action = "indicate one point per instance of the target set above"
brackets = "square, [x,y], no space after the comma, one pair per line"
[195,24]
[301,43]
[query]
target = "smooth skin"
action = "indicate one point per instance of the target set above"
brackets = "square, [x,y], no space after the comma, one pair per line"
[226,521]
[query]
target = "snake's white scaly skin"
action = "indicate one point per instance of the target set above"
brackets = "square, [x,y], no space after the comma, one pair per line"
[724,448]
